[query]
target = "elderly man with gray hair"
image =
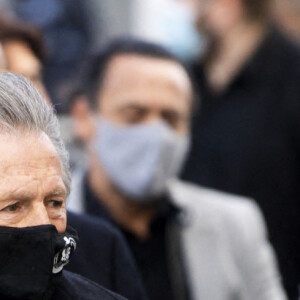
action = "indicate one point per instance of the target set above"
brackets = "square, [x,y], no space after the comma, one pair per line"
[35,180]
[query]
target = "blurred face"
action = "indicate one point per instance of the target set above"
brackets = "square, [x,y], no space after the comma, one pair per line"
[21,60]
[31,187]
[203,10]
[140,89]
[214,17]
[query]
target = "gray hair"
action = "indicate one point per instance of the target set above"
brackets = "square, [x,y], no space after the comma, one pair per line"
[23,108]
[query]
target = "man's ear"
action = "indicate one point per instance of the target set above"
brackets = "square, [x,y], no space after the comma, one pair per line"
[82,116]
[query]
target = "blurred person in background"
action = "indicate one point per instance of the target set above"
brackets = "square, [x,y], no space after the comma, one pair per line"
[36,243]
[189,242]
[66,27]
[287,13]
[24,51]
[71,28]
[246,134]
[105,259]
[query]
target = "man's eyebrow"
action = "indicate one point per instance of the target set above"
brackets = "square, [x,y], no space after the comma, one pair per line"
[60,191]
[27,195]
[17,195]
[133,104]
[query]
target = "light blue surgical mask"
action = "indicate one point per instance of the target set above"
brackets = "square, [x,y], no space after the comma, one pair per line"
[180,34]
[171,24]
[140,159]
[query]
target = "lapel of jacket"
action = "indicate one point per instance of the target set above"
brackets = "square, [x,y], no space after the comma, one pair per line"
[204,256]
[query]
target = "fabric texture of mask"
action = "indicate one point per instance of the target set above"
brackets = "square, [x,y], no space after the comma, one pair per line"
[140,159]
[28,257]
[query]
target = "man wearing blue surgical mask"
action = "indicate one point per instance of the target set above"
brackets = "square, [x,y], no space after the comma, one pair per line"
[188,242]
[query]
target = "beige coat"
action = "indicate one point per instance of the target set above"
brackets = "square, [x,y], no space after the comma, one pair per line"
[226,250]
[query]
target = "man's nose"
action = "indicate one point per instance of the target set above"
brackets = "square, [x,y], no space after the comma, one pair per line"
[38,215]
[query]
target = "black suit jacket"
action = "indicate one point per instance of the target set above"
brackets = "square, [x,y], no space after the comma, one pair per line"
[75,287]
[103,256]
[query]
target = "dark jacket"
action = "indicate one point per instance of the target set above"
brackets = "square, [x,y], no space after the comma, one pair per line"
[246,140]
[75,287]
[103,256]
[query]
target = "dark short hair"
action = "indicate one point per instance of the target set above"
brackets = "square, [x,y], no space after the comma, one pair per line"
[96,67]
[259,10]
[12,29]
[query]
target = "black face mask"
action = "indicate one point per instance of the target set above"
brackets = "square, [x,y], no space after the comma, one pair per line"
[31,259]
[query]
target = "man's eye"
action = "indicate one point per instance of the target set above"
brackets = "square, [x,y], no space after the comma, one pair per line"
[55,203]
[12,207]
[173,118]
[134,114]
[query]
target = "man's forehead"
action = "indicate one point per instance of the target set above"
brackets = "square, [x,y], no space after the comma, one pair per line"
[20,58]
[130,69]
[26,149]
[28,163]
[21,166]
[141,62]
